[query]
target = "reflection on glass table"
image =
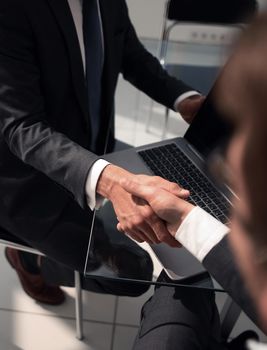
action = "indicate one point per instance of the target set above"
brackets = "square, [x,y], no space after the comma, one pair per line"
[115,256]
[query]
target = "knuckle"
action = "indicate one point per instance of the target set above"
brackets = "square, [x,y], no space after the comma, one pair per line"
[137,221]
[147,212]
[130,226]
[122,228]
[139,239]
[161,236]
[174,186]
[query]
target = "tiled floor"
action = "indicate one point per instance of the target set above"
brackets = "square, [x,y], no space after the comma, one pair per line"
[110,323]
[27,325]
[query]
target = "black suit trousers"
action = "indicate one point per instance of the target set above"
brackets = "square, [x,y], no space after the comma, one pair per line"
[179,318]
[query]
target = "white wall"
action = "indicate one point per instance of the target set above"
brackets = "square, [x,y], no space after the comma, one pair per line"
[146,16]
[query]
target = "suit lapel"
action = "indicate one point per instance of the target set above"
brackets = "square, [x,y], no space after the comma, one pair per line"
[65,21]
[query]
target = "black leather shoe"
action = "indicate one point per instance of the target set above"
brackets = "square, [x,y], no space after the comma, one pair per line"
[34,284]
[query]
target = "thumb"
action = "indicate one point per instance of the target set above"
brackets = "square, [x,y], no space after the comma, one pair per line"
[180,192]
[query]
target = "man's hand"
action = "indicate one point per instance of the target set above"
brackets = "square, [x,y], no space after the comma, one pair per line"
[165,205]
[136,217]
[189,107]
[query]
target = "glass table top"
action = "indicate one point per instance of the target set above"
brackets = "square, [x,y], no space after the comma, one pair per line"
[112,255]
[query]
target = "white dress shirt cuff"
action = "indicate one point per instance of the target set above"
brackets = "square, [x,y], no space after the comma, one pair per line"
[200,232]
[184,97]
[94,200]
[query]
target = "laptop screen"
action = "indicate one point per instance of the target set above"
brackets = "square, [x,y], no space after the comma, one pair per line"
[209,128]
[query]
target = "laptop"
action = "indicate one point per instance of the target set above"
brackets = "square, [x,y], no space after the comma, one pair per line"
[183,160]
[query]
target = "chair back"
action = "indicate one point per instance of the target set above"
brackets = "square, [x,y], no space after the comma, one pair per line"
[212,11]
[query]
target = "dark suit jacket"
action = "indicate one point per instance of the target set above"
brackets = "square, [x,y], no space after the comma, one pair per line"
[44,121]
[220,263]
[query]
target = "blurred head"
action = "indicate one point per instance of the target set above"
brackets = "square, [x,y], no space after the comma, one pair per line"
[242,95]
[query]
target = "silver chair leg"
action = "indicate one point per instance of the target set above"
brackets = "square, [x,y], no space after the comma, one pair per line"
[161,53]
[78,305]
[149,115]
[229,316]
[166,122]
[164,34]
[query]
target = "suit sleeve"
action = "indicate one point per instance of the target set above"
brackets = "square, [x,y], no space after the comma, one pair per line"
[23,119]
[221,264]
[206,238]
[145,72]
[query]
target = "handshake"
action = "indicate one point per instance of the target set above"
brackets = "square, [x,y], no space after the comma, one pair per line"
[148,208]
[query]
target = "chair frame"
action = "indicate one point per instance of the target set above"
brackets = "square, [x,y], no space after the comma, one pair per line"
[164,40]
[77,279]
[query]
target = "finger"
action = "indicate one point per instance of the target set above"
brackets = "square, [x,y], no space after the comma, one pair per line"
[134,234]
[180,192]
[149,233]
[119,228]
[148,192]
[163,235]
[137,226]
[137,189]
[172,187]
[184,194]
[135,237]
[142,234]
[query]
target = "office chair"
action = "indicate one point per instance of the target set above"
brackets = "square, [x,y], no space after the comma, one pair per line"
[223,13]
[19,245]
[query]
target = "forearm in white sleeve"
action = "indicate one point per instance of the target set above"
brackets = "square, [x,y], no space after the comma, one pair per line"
[200,232]
[183,97]
[94,200]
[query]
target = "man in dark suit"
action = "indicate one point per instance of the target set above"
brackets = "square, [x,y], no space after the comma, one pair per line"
[59,65]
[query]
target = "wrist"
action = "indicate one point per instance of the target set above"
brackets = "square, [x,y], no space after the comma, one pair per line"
[183,213]
[187,209]
[109,180]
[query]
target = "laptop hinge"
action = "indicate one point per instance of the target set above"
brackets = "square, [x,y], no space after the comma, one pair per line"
[195,152]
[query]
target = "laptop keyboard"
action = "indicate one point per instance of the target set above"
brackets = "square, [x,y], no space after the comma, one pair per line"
[171,163]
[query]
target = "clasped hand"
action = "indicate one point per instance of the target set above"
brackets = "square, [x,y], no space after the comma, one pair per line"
[139,202]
